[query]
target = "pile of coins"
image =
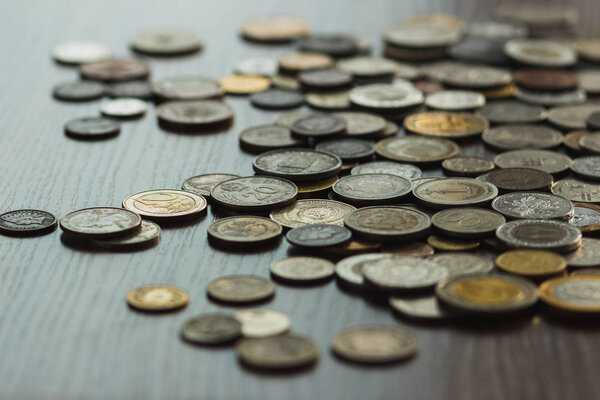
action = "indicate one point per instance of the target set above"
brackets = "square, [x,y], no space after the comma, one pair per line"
[345,183]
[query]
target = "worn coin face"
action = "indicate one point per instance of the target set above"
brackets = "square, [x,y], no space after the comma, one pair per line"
[424,307]
[586,217]
[92,128]
[123,108]
[278,352]
[116,69]
[254,193]
[377,67]
[275,29]
[461,264]
[318,235]
[577,190]
[519,179]
[298,62]
[572,116]
[27,222]
[416,149]
[325,79]
[543,160]
[446,243]
[190,115]
[328,101]
[318,125]
[243,230]
[579,294]
[533,205]
[388,223]
[302,269]
[349,270]
[512,112]
[531,263]
[244,84]
[298,164]
[348,150]
[166,42]
[512,137]
[551,99]
[403,273]
[203,184]
[305,212]
[359,124]
[240,289]
[374,344]
[157,298]
[467,222]
[407,171]
[590,142]
[186,88]
[148,235]
[258,139]
[540,235]
[211,329]
[455,100]
[79,91]
[75,53]
[277,99]
[540,53]
[587,167]
[467,166]
[101,222]
[455,192]
[261,322]
[137,89]
[468,76]
[261,66]
[586,256]
[166,204]
[372,189]
[546,79]
[487,294]
[386,97]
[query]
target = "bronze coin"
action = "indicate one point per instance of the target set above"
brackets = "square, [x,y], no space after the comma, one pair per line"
[122,69]
[274,29]
[571,141]
[298,62]
[546,79]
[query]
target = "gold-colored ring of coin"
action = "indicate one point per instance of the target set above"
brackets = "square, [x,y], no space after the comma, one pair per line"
[166,204]
[574,293]
[451,125]
[531,263]
[244,84]
[157,298]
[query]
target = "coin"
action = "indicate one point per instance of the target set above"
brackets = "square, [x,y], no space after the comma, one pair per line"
[467,166]
[497,29]
[428,87]
[349,270]
[302,269]
[166,204]
[372,189]
[361,124]
[455,192]
[116,69]
[203,184]
[571,141]
[377,68]
[533,205]
[413,249]
[277,99]
[137,89]
[590,142]
[298,164]
[577,190]
[587,167]
[386,97]
[424,307]
[186,88]
[519,179]
[487,294]
[416,149]
[353,247]
[407,171]
[455,100]
[585,272]
[254,193]
[304,212]
[421,36]
[512,137]
[193,115]
[461,264]
[325,80]
[588,49]
[275,29]
[577,294]
[593,121]
[539,15]
[446,124]
[287,82]
[445,243]
[543,160]
[589,80]
[546,98]
[586,256]
[318,235]
[157,298]
[288,118]
[298,62]
[531,263]
[260,322]
[123,108]
[27,222]
[467,222]
[243,231]
[328,101]
[318,125]
[101,222]
[374,344]
[261,66]
[211,329]
[586,217]
[334,45]
[278,352]
[468,76]
[240,289]
[92,128]
[78,91]
[512,112]
[540,235]
[546,79]
[403,273]
[166,42]
[540,53]
[243,84]
[148,235]
[348,150]
[388,223]
[572,116]
[258,139]
[75,53]
[413,55]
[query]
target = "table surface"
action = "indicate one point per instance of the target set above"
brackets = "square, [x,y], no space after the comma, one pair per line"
[65,330]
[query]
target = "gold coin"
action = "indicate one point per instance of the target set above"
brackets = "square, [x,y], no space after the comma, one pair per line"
[244,84]
[413,249]
[306,189]
[275,29]
[157,298]
[579,293]
[297,62]
[446,124]
[531,263]
[504,92]
[447,244]
[166,204]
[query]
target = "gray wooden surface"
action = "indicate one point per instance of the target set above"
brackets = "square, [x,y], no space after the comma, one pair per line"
[65,331]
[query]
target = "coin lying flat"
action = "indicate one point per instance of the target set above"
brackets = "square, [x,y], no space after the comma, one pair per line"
[260,322]
[353,247]
[446,124]
[244,84]
[416,149]
[577,190]
[413,249]
[259,139]
[546,79]
[302,269]
[277,99]
[193,115]
[388,223]
[240,289]
[467,166]
[377,67]
[79,91]
[123,108]
[243,230]
[349,270]
[424,307]
[334,45]
[571,141]
[572,116]
[310,211]
[166,204]
[203,184]
[460,264]
[455,100]
[186,88]
[101,222]
[278,352]
[540,53]
[261,66]
[92,128]
[468,76]
[298,62]
[254,193]
[513,112]
[325,80]
[374,344]
[318,125]
[455,192]
[209,329]
[467,222]
[533,205]
[372,189]
[531,263]
[157,298]
[577,294]
[543,160]
[361,124]
[519,179]
[298,164]
[487,294]
[318,235]
[590,142]
[328,101]
[166,42]
[589,80]
[348,150]
[586,256]
[550,99]
[27,222]
[403,273]
[116,69]
[148,235]
[75,53]
[137,89]
[421,36]
[275,29]
[586,217]
[540,235]
[446,243]
[512,137]
[386,97]
[407,171]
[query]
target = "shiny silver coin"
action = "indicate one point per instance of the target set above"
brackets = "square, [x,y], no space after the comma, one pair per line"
[587,167]
[349,270]
[540,235]
[424,307]
[386,97]
[257,66]
[403,273]
[254,193]
[261,322]
[302,269]
[421,36]
[543,160]
[497,30]
[467,222]
[298,164]
[540,53]
[377,67]
[123,108]
[512,112]
[371,189]
[572,117]
[586,256]
[75,53]
[533,205]
[577,190]
[455,192]
[203,184]
[101,222]
[460,264]
[455,100]
[468,76]
[407,171]
[551,99]
[587,219]
[388,223]
[512,137]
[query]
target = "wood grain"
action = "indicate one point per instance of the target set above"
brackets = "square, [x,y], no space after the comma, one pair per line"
[65,331]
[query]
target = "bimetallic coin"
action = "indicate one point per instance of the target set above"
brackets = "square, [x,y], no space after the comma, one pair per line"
[399,273]
[157,298]
[261,66]
[519,179]
[531,263]
[319,126]
[388,223]
[193,115]
[543,160]
[512,137]
[572,116]
[590,142]
[166,42]
[244,84]
[424,307]
[487,294]
[540,53]
[298,164]
[302,269]
[349,270]
[586,256]
[278,352]
[578,294]
[467,166]
[186,88]
[407,171]
[243,230]
[467,222]
[540,235]
[203,184]
[533,205]
[512,112]
[577,190]
[372,189]
[75,53]
[455,100]
[258,139]
[115,70]
[260,322]
[374,344]
[211,329]
[79,91]
[148,235]
[461,264]
[275,29]
[412,249]
[123,108]
[586,217]
[384,97]
[318,235]
[305,212]
[359,124]
[455,192]
[254,193]
[348,150]
[445,243]
[101,222]
[27,222]
[416,149]
[92,128]
[166,204]
[446,124]
[277,99]
[240,289]
[298,62]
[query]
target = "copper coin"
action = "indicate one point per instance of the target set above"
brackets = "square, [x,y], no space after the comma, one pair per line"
[546,79]
[121,69]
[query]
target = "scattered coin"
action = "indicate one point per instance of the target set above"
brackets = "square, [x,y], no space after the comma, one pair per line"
[186,88]
[318,125]
[416,149]
[539,15]
[166,42]
[413,249]
[348,150]
[421,36]
[572,116]
[467,222]
[240,289]
[589,80]
[531,263]
[512,112]
[254,193]
[302,269]
[445,243]
[314,188]
[243,231]
[512,137]
[287,119]
[586,217]
[258,66]
[312,211]
[372,189]
[590,142]
[550,99]
[407,171]
[92,128]
[386,97]
[101,222]
[211,329]
[27,222]
[588,49]
[298,62]
[543,160]
[334,45]
[349,270]
[359,124]
[275,29]
[148,235]
[578,294]
[259,139]
[157,298]
[519,179]
[353,247]
[571,141]
[424,307]
[325,80]
[468,76]
[540,53]
[540,235]
[497,29]
[377,68]
[587,167]
[137,89]
[467,166]
[399,273]
[123,108]
[533,205]
[260,322]
[193,115]
[460,264]
[298,164]
[116,69]
[318,235]
[455,100]
[75,53]
[277,99]
[455,192]
[79,91]
[586,256]
[585,271]
[445,124]
[166,204]
[278,352]
[388,223]
[577,190]
[244,84]
[203,184]
[546,79]
[328,101]
[287,82]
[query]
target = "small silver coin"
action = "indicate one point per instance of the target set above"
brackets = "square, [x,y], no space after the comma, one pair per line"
[101,222]
[302,269]
[551,99]
[123,108]
[148,235]
[203,184]
[572,117]
[75,53]
[543,160]
[261,322]
[513,137]
[455,100]
[407,171]
[386,97]
[166,42]
[349,270]
[587,167]
[586,256]
[459,264]
[257,66]
[577,190]
[424,307]
[371,189]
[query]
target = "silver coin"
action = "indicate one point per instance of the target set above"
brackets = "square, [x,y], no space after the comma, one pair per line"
[497,30]
[577,190]
[424,307]
[467,166]
[586,256]
[467,222]
[164,42]
[149,234]
[254,193]
[455,192]
[472,76]
[386,97]
[80,52]
[328,101]
[257,66]
[540,53]
[101,222]
[543,160]
[462,264]
[589,80]
[258,139]
[407,171]
[421,36]
[187,88]
[302,269]
[348,149]
[540,235]
[416,149]
[371,189]
[262,322]
[455,100]
[403,273]
[539,15]
[512,112]
[312,211]
[287,119]
[572,117]
[123,107]
[512,137]
[298,164]
[591,142]
[285,82]
[546,98]
[377,67]
[360,124]
[388,223]
[533,205]
[203,184]
[587,167]
[585,218]
[349,270]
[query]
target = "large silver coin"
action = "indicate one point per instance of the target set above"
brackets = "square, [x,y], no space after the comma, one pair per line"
[403,273]
[539,234]
[455,192]
[540,53]
[533,205]
[388,223]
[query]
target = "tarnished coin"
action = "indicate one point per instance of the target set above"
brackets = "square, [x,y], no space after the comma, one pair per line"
[571,141]
[577,190]
[334,45]
[578,294]
[116,69]
[386,97]
[455,100]
[277,99]
[260,322]
[415,149]
[298,164]
[166,204]
[79,91]
[244,84]
[551,99]
[136,89]
[101,222]
[467,222]
[388,223]
[461,264]
[586,256]
[305,212]
[302,269]
[424,307]
[546,79]
[372,189]
[531,263]
[468,76]
[446,124]
[325,80]
[512,112]
[258,139]
[278,352]
[261,66]
[421,36]
[543,160]
[348,150]
[186,88]
[27,222]
[299,62]
[572,116]
[591,142]
[148,235]
[455,192]
[193,115]
[487,294]
[445,243]
[254,193]
[92,128]
[243,230]
[166,42]
[512,137]
[157,298]
[123,108]
[349,270]
[587,167]
[533,205]
[377,68]
[540,53]
[203,184]
[586,217]
[398,273]
[467,166]
[75,53]
[318,125]
[359,124]
[540,235]
[407,171]
[240,289]
[210,329]
[275,29]
[413,249]
[328,101]
[318,235]
[519,179]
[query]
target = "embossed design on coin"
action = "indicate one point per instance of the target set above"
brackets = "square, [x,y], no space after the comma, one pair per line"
[372,189]
[586,256]
[519,179]
[148,235]
[389,223]
[240,289]
[203,184]
[467,166]
[318,125]
[467,222]
[577,190]
[165,204]
[415,149]
[304,212]
[511,137]
[211,329]
[157,298]
[254,193]
[455,192]
[318,235]
[298,164]
[513,112]
[533,205]
[386,97]
[193,115]
[543,160]
[407,171]
[538,234]
[101,222]
[260,322]
[27,222]
[587,167]
[586,217]
[243,230]
[302,269]
[579,293]
[278,352]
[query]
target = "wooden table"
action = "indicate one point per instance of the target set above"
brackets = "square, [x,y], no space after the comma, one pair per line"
[65,330]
